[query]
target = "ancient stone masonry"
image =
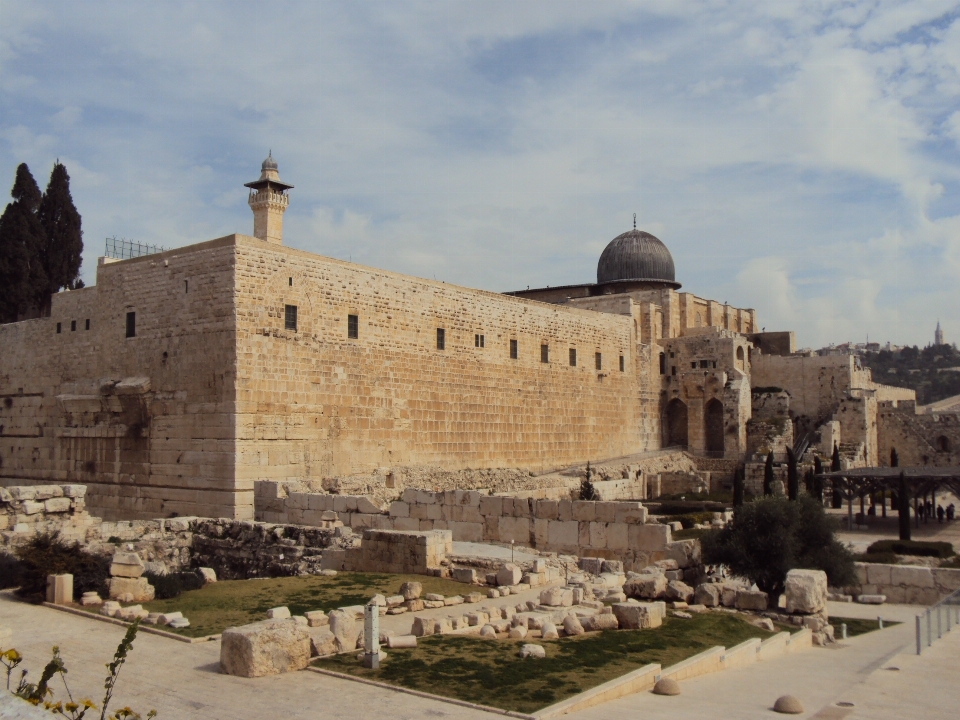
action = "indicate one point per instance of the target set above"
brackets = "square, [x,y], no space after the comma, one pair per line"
[44,508]
[393,551]
[913,585]
[932,439]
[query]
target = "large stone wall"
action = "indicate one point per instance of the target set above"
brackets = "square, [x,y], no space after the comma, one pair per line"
[28,510]
[909,584]
[315,402]
[932,439]
[160,443]
[214,392]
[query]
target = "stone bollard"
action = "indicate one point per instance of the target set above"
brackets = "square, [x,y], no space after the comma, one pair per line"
[371,636]
[60,589]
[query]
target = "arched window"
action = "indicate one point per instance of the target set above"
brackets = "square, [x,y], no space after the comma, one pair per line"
[943,444]
[699,320]
[675,424]
[740,360]
[713,426]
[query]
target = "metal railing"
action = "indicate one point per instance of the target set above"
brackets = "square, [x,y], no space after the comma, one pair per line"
[123,249]
[939,619]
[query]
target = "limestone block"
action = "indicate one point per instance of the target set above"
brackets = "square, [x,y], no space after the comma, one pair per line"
[598,535]
[30,507]
[549,631]
[60,589]
[911,576]
[453,600]
[630,513]
[871,600]
[531,650]
[464,575]
[394,600]
[591,565]
[564,533]
[572,626]
[263,648]
[637,616]
[406,523]
[57,505]
[74,491]
[685,552]
[516,529]
[322,640]
[751,600]
[878,574]
[491,505]
[488,631]
[518,632]
[368,505]
[565,510]
[278,613]
[137,589]
[546,509]
[921,595]
[415,605]
[344,625]
[468,531]
[410,495]
[317,618]
[947,579]
[601,621]
[399,509]
[707,594]
[618,537]
[479,617]
[649,538]
[167,618]
[126,565]
[207,575]
[557,597]
[110,608]
[646,587]
[584,510]
[728,596]
[509,574]
[411,590]
[806,591]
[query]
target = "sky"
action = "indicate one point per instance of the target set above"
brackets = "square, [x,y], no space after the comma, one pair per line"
[798,157]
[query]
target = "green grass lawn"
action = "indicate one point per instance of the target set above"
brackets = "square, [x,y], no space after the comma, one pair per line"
[491,672]
[226,603]
[857,626]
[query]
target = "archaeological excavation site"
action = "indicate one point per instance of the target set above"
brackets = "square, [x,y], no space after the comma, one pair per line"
[534,503]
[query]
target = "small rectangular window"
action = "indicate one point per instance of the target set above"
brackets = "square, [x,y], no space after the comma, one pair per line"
[353,326]
[694,365]
[598,361]
[673,370]
[73,326]
[58,328]
[704,363]
[544,353]
[514,351]
[441,339]
[290,281]
[88,324]
[290,317]
[622,365]
[478,341]
[573,357]
[186,286]
[131,324]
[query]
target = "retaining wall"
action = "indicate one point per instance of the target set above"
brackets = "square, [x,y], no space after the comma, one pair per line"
[907,584]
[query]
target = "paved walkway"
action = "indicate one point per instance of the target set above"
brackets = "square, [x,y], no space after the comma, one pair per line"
[820,677]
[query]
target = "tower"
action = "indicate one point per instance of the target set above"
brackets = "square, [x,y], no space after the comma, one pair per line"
[938,335]
[268,202]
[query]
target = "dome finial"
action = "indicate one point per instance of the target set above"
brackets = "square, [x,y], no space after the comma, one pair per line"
[634,221]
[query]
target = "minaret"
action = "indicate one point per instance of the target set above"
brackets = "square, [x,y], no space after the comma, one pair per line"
[938,335]
[268,202]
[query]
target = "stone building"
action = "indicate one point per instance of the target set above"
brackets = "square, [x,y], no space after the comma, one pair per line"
[183,377]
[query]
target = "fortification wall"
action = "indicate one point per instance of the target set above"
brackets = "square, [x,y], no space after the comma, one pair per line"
[315,402]
[918,439]
[145,422]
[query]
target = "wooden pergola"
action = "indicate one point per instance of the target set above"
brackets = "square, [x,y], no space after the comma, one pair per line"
[920,482]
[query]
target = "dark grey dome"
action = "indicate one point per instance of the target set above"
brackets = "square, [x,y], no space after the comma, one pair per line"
[638,256]
[269,163]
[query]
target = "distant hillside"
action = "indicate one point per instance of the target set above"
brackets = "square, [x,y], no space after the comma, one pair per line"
[933,372]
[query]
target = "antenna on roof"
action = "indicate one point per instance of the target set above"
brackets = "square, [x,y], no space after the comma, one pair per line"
[634,221]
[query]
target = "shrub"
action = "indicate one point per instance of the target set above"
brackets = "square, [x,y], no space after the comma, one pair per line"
[48,554]
[688,520]
[173,585]
[771,536]
[882,558]
[587,490]
[11,570]
[923,548]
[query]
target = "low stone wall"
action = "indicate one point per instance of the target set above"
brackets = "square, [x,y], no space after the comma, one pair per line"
[907,584]
[25,510]
[393,551]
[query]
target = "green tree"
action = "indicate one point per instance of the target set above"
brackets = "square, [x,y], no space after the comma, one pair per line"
[64,236]
[22,240]
[773,535]
[793,477]
[738,486]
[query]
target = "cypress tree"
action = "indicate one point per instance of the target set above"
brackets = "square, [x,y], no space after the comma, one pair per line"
[835,467]
[64,236]
[793,477]
[768,475]
[817,480]
[22,276]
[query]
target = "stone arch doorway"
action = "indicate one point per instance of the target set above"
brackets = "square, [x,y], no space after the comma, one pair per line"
[675,423]
[943,444]
[713,426]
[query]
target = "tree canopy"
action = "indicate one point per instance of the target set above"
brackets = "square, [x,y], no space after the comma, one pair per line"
[773,535]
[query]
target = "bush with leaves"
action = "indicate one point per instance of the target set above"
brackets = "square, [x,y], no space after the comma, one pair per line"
[49,554]
[773,535]
[74,709]
[11,570]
